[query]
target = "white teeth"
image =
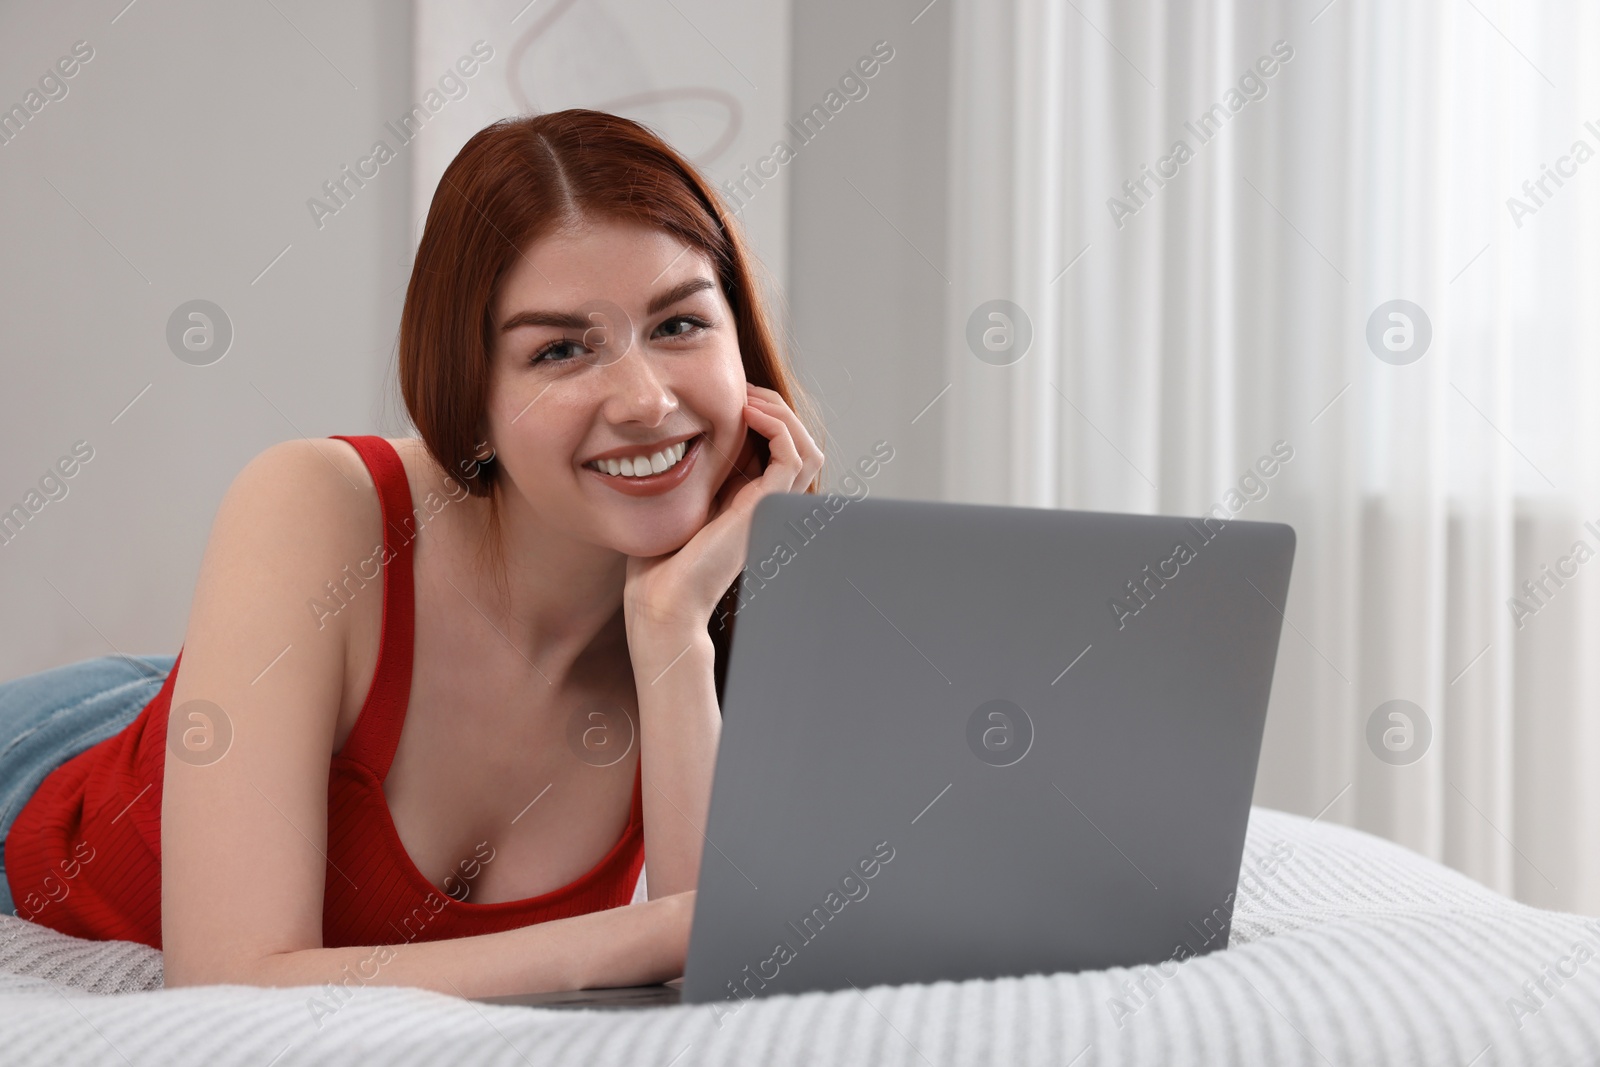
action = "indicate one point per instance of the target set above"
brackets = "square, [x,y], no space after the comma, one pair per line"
[639,466]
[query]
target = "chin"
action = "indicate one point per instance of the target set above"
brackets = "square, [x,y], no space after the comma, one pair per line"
[658,538]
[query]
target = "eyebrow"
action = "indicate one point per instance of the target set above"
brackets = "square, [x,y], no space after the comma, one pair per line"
[572,320]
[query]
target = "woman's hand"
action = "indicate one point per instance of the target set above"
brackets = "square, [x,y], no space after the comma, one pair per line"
[677,592]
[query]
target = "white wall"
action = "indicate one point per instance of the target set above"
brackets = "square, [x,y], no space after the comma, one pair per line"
[867,262]
[178,166]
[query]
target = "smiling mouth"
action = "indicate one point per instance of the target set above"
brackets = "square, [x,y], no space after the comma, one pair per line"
[644,465]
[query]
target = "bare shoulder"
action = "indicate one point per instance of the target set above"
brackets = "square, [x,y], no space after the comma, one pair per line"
[296,509]
[322,488]
[238,880]
[316,466]
[290,520]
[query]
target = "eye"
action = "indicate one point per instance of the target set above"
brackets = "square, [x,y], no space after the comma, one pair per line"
[682,326]
[561,351]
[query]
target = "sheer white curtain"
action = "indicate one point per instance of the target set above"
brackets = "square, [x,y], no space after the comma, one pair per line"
[1183,327]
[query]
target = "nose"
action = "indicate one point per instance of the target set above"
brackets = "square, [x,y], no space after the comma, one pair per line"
[636,391]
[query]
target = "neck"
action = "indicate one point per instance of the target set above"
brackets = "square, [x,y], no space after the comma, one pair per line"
[561,597]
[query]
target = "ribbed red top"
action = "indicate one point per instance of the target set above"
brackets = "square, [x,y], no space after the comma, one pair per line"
[84,854]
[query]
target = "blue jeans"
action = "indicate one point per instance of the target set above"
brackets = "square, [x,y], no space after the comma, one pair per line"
[49,717]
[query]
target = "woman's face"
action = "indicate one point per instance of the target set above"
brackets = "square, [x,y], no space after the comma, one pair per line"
[613,339]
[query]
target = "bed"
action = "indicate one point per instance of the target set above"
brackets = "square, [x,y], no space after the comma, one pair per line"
[1346,949]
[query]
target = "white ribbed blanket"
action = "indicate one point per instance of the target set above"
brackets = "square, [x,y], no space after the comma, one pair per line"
[1346,949]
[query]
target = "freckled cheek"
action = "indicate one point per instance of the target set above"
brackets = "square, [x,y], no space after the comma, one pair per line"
[546,436]
[723,408]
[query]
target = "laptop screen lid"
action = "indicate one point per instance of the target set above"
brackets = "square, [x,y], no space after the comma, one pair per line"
[967,741]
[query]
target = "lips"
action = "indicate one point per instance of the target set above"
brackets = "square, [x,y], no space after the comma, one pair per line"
[652,484]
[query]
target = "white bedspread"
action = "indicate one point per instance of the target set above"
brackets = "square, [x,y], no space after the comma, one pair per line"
[1346,949]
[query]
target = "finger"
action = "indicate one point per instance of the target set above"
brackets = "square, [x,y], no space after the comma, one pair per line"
[811,457]
[753,483]
[772,401]
[781,446]
[786,463]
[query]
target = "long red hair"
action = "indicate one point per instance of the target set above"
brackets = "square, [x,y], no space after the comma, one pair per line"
[513,182]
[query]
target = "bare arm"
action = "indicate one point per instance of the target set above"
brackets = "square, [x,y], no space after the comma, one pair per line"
[679,727]
[244,836]
[641,944]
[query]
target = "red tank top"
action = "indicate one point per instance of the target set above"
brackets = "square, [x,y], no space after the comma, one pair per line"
[84,854]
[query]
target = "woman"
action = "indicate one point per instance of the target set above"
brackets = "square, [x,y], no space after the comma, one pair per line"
[450,776]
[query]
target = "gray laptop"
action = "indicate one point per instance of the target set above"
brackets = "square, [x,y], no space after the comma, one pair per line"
[965,741]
